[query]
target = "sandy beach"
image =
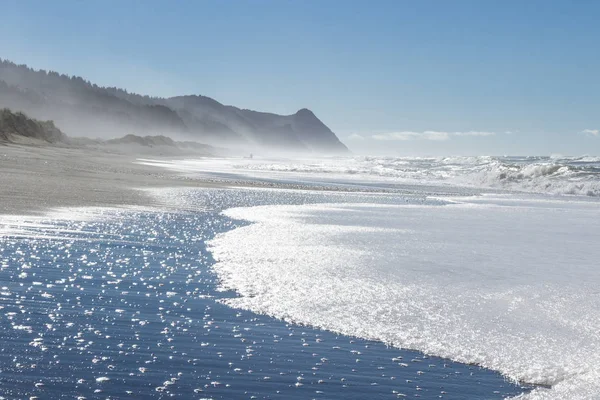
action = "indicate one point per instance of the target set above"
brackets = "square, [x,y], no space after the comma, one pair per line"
[37,178]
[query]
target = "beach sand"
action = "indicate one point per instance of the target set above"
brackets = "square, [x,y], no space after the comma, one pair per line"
[34,179]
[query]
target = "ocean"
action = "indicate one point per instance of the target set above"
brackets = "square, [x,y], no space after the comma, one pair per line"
[454,278]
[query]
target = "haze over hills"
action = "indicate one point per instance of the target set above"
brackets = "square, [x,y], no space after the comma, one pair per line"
[81,108]
[18,128]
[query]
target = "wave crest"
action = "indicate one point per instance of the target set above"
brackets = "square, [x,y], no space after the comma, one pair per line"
[553,175]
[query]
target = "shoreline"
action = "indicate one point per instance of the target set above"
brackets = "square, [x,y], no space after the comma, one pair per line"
[51,178]
[310,360]
[36,179]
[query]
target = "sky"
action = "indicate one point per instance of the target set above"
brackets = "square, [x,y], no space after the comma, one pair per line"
[388,77]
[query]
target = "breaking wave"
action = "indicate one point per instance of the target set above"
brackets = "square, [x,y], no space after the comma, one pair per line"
[553,175]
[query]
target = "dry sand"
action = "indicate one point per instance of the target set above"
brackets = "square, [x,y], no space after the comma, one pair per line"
[34,179]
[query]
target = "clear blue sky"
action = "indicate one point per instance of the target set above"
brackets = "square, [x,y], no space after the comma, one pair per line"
[404,77]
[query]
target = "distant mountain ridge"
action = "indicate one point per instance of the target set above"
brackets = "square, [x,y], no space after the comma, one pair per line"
[81,108]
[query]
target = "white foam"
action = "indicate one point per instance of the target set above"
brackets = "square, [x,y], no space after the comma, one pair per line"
[512,286]
[555,175]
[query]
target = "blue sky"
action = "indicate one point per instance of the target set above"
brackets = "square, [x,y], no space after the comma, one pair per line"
[400,77]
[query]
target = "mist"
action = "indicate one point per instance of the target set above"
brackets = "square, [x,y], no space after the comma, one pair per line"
[82,109]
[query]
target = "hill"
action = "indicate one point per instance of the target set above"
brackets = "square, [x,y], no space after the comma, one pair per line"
[82,108]
[17,127]
[159,145]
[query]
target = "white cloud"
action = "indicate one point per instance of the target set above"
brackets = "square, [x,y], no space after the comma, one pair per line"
[427,135]
[591,132]
[474,133]
[407,135]
[355,136]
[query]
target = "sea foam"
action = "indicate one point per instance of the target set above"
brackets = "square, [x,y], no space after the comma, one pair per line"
[507,284]
[554,175]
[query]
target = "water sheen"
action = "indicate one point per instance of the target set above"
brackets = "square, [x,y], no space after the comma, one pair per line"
[116,304]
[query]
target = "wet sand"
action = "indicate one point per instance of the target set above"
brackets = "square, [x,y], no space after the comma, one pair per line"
[126,305]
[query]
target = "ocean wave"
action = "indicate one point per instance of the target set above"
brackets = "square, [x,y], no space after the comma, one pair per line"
[551,175]
[552,178]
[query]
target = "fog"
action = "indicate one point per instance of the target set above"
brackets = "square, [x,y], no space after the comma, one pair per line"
[82,109]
